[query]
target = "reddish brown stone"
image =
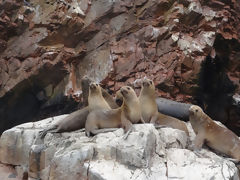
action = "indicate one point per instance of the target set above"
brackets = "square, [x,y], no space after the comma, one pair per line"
[118,42]
[13,64]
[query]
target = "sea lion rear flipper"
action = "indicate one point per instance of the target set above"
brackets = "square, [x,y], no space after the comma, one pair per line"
[43,133]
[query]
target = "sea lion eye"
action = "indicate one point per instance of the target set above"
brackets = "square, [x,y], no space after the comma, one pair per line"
[151,82]
[128,88]
[196,110]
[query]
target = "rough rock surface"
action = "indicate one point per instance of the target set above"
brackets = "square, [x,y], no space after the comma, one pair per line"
[8,173]
[47,46]
[146,154]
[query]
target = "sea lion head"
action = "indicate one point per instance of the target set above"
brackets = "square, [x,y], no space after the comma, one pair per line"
[128,92]
[119,98]
[148,84]
[195,111]
[86,78]
[94,88]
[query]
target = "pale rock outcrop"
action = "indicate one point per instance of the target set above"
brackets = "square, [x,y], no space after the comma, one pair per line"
[146,154]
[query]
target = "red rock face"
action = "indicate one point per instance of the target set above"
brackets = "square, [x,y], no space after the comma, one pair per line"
[45,49]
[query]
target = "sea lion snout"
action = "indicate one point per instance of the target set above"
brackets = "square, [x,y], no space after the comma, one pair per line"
[190,112]
[123,91]
[191,109]
[147,82]
[93,85]
[85,77]
[194,109]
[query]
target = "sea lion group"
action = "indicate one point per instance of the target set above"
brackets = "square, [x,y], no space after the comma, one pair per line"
[104,113]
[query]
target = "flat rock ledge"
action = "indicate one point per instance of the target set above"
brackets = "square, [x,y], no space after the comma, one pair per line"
[146,154]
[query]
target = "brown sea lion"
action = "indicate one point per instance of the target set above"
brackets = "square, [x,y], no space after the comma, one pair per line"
[149,108]
[77,119]
[123,116]
[217,137]
[74,121]
[109,99]
[96,99]
[85,82]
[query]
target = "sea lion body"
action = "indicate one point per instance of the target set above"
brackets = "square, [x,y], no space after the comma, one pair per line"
[100,119]
[111,102]
[76,120]
[172,122]
[217,137]
[123,116]
[147,101]
[149,108]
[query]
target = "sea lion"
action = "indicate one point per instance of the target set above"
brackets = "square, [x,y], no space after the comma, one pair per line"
[149,108]
[109,99]
[96,99]
[165,106]
[74,121]
[77,119]
[126,115]
[217,137]
[85,82]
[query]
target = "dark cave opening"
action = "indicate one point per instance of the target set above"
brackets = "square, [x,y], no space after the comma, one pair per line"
[24,104]
[215,89]
[15,110]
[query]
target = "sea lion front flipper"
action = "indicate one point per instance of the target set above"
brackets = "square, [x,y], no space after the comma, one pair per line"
[126,124]
[154,118]
[127,133]
[199,140]
[142,120]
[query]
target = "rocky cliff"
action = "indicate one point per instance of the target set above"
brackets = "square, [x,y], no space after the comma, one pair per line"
[47,46]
